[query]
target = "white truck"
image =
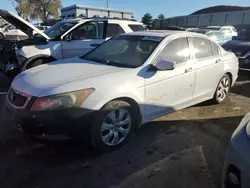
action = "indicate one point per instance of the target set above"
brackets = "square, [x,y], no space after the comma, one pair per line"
[66,39]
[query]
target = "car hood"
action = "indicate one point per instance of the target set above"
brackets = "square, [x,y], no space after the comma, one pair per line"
[237,45]
[49,76]
[21,24]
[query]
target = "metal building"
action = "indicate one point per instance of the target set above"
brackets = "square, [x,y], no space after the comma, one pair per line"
[236,18]
[76,11]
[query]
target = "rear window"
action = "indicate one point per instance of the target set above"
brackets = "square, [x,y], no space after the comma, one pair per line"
[136,27]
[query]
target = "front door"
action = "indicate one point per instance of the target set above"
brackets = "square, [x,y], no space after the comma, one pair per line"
[84,38]
[208,67]
[169,90]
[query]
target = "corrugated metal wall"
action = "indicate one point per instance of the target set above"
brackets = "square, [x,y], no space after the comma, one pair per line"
[225,18]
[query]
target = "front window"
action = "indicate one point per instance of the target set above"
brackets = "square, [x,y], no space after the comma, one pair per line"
[245,35]
[135,27]
[59,29]
[124,51]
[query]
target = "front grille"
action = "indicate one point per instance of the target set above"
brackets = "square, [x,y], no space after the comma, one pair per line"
[17,99]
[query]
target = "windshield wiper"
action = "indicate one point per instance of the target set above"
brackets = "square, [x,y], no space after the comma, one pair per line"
[108,62]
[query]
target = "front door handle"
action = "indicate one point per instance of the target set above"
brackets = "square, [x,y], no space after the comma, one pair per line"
[188,69]
[95,44]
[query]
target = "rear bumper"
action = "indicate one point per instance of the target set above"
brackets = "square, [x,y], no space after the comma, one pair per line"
[52,124]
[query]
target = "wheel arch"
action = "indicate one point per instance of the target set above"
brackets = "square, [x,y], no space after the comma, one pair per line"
[32,59]
[230,76]
[133,103]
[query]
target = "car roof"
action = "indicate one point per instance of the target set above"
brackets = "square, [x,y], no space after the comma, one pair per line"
[162,33]
[111,20]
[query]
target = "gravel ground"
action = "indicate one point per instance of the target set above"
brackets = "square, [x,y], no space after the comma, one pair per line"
[183,149]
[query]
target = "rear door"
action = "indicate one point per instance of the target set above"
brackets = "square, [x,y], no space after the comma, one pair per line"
[208,67]
[84,38]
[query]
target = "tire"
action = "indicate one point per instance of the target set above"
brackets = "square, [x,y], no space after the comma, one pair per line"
[114,134]
[1,36]
[35,63]
[222,90]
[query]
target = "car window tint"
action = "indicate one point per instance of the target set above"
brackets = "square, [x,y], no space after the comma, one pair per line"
[218,35]
[136,27]
[177,50]
[215,48]
[114,29]
[85,31]
[11,27]
[209,34]
[202,48]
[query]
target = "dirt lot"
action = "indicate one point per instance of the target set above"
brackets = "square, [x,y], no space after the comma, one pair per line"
[183,149]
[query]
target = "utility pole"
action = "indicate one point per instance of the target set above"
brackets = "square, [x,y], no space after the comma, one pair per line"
[107,3]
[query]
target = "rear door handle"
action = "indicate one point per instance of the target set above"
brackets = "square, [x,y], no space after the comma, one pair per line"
[218,61]
[188,69]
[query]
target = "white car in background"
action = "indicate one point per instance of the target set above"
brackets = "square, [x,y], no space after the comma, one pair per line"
[127,81]
[67,38]
[227,31]
[10,32]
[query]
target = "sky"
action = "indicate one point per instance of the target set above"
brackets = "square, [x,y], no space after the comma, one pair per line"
[169,8]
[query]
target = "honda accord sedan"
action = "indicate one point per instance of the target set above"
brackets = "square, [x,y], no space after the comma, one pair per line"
[127,81]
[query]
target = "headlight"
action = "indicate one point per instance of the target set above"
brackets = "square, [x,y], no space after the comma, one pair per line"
[61,101]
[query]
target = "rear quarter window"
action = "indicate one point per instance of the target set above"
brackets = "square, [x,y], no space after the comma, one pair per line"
[136,27]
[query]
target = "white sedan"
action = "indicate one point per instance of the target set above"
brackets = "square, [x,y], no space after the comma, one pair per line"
[127,81]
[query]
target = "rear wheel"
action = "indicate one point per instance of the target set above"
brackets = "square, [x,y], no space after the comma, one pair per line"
[222,90]
[113,125]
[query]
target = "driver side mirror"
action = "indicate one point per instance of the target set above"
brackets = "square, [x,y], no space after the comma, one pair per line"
[68,37]
[165,65]
[234,38]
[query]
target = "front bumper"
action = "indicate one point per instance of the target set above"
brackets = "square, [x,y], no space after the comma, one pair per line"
[244,64]
[238,157]
[52,124]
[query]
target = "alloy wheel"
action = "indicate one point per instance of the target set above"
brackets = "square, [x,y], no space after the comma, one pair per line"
[223,88]
[116,127]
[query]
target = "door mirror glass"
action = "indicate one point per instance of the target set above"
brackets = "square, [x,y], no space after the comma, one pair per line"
[165,65]
[68,37]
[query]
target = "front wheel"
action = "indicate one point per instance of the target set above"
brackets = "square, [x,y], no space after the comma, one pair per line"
[222,89]
[35,63]
[113,125]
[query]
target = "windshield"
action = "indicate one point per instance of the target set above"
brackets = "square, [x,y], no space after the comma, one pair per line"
[124,51]
[59,29]
[244,35]
[4,25]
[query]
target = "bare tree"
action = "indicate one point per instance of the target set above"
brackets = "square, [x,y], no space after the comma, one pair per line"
[37,9]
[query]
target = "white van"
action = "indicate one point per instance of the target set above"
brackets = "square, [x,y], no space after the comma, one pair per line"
[66,39]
